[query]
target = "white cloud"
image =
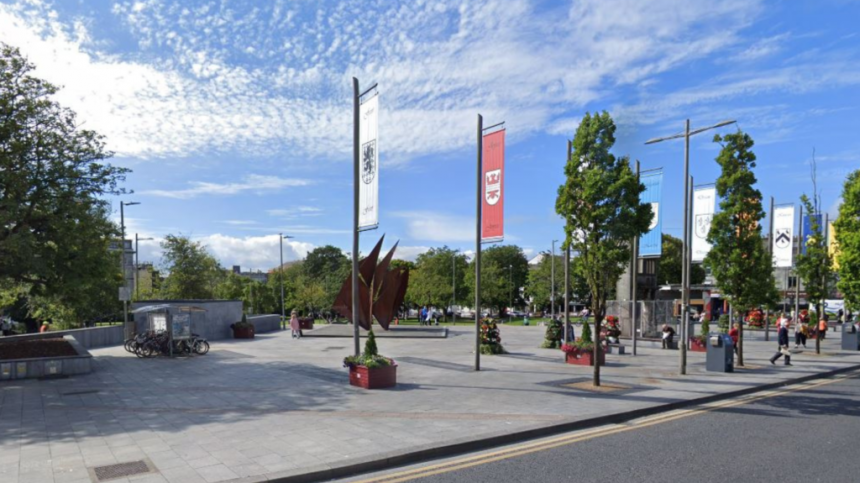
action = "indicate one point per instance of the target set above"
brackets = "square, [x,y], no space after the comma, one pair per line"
[437,227]
[762,48]
[295,212]
[409,253]
[240,222]
[257,253]
[275,78]
[254,183]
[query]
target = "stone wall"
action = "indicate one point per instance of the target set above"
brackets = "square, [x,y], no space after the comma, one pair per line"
[88,338]
[214,323]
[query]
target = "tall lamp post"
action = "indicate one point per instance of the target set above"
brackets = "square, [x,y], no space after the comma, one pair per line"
[552,281]
[686,259]
[125,291]
[281,238]
[137,241]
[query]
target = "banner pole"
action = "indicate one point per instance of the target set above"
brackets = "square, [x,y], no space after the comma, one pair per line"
[634,269]
[478,248]
[355,202]
[686,246]
[797,275]
[770,239]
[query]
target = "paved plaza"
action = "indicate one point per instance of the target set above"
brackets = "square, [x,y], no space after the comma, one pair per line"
[276,407]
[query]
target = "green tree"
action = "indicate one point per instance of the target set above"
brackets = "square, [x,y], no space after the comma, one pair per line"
[669,268]
[847,228]
[504,270]
[328,267]
[54,226]
[193,272]
[738,259]
[599,202]
[815,267]
[437,272]
[539,284]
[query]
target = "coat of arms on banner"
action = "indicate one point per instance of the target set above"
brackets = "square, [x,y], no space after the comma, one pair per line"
[493,183]
[368,161]
[655,219]
[703,225]
[783,237]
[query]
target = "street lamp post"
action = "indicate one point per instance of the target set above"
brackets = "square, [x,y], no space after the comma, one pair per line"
[552,282]
[510,313]
[125,297]
[137,240]
[686,258]
[281,238]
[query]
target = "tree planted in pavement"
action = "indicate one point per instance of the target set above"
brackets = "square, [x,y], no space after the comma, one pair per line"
[600,204]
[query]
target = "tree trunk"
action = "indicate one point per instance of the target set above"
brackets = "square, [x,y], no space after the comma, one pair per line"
[598,320]
[741,340]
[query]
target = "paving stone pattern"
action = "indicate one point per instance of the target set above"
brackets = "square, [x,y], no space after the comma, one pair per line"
[276,406]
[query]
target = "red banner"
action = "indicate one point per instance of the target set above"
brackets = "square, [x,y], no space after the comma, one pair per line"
[493,212]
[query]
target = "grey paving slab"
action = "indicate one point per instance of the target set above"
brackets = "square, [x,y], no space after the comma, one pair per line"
[281,406]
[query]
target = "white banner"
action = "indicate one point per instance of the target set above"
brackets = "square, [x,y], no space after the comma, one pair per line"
[783,234]
[368,138]
[704,202]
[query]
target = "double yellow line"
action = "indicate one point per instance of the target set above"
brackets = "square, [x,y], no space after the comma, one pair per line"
[527,448]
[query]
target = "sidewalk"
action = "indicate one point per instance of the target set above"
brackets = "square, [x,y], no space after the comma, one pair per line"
[277,407]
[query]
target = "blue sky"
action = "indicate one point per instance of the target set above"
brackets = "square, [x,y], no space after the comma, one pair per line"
[236,116]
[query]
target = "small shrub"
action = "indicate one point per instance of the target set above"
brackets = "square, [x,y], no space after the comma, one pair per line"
[370,358]
[724,324]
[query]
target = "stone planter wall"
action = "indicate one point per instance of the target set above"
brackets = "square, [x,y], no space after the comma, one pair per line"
[48,366]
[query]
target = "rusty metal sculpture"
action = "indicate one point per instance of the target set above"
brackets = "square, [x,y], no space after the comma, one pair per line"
[380,291]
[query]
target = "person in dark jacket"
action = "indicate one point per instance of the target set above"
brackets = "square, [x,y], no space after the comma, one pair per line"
[782,337]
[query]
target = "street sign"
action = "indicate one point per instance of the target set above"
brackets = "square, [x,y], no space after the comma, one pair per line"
[124,294]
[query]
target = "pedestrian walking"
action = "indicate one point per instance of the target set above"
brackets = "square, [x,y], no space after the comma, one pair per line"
[6,326]
[422,316]
[734,333]
[782,340]
[295,327]
[822,328]
[800,333]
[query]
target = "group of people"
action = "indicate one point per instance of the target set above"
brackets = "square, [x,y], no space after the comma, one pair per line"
[428,316]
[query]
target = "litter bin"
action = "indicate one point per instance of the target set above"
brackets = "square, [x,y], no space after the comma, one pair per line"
[720,355]
[850,338]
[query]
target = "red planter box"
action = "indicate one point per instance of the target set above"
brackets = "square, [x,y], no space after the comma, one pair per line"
[306,324]
[697,346]
[584,358]
[243,333]
[377,378]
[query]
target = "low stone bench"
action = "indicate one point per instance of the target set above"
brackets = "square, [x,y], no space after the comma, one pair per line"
[615,349]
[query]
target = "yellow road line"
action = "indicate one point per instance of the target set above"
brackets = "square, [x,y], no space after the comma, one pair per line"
[608,430]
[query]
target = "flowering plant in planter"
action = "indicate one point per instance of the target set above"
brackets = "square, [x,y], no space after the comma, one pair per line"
[554,334]
[804,316]
[370,358]
[611,328]
[491,341]
[370,370]
[755,318]
[243,329]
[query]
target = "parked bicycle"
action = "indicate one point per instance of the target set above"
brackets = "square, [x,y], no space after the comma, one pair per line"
[151,344]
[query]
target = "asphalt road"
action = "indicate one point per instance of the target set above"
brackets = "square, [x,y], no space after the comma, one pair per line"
[810,435]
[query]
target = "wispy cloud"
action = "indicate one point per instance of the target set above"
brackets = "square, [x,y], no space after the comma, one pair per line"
[253,183]
[295,212]
[437,227]
[265,78]
[241,222]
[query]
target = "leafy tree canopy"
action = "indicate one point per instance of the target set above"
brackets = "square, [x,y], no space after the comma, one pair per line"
[504,270]
[669,268]
[194,273]
[738,259]
[54,224]
[437,272]
[847,228]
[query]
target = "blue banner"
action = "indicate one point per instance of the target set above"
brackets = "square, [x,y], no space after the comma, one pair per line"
[807,229]
[651,243]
